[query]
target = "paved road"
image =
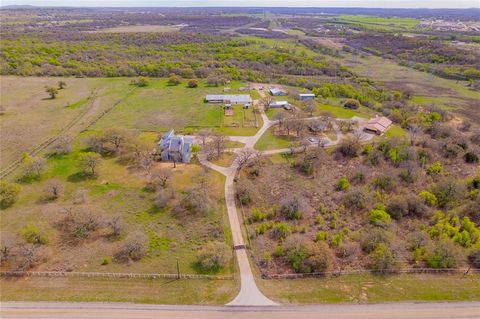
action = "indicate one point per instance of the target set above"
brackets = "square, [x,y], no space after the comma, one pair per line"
[57,310]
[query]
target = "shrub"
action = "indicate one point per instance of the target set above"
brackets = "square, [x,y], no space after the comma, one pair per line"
[105,261]
[379,217]
[474,258]
[397,208]
[321,235]
[8,193]
[428,198]
[385,183]
[383,258]
[281,230]
[54,188]
[435,168]
[89,163]
[371,237]
[292,207]
[306,257]
[174,79]
[343,184]
[33,235]
[213,256]
[354,200]
[349,147]
[448,191]
[443,254]
[134,248]
[351,104]
[196,201]
[470,157]
[192,83]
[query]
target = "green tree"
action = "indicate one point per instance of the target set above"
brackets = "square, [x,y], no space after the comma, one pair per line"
[52,91]
[8,193]
[174,79]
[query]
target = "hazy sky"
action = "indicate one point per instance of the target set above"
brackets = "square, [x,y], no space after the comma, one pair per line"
[255,3]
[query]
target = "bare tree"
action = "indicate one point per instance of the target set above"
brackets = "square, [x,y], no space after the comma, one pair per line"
[27,256]
[89,163]
[245,155]
[146,162]
[54,188]
[204,135]
[134,248]
[310,107]
[80,196]
[160,177]
[34,166]
[63,145]
[219,143]
[266,101]
[281,117]
[117,137]
[414,131]
[116,226]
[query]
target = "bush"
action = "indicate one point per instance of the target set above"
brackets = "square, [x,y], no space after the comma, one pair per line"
[351,104]
[470,157]
[192,83]
[134,248]
[292,208]
[428,198]
[196,201]
[343,184]
[213,256]
[33,235]
[54,189]
[448,192]
[321,235]
[383,258]
[397,208]
[306,257]
[354,200]
[349,147]
[371,237]
[474,258]
[385,183]
[174,79]
[443,254]
[281,230]
[435,168]
[379,217]
[8,193]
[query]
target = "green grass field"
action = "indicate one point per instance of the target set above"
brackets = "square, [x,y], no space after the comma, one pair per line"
[379,23]
[269,141]
[154,291]
[367,288]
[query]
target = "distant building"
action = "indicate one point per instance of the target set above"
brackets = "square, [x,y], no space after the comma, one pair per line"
[280,105]
[306,96]
[229,98]
[378,125]
[277,92]
[175,148]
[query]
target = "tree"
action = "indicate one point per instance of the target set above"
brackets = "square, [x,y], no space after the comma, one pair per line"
[33,235]
[213,256]
[443,254]
[134,248]
[54,188]
[266,101]
[351,104]
[116,226]
[293,207]
[174,79]
[307,256]
[192,83]
[196,201]
[280,117]
[140,82]
[63,145]
[61,85]
[219,143]
[159,178]
[383,258]
[89,163]
[52,91]
[379,217]
[146,162]
[27,256]
[245,155]
[349,147]
[8,193]
[33,166]
[162,197]
[215,80]
[310,107]
[204,134]
[117,138]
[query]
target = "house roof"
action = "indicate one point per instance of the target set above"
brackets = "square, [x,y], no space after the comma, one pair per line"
[306,94]
[278,103]
[233,98]
[378,123]
[276,91]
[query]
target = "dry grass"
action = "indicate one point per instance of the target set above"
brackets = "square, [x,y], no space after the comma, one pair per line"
[140,28]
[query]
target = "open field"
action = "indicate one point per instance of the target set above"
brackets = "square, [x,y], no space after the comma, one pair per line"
[367,288]
[158,291]
[32,117]
[427,88]
[379,23]
[140,28]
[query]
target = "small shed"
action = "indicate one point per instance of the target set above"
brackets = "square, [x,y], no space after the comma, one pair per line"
[277,92]
[280,105]
[306,96]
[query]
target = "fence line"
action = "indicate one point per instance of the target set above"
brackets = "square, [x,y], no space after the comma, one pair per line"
[111,275]
[463,271]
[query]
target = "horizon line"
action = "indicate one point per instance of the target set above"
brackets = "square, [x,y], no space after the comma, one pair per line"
[239,6]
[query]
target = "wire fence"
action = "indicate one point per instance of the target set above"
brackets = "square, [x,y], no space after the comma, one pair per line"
[462,271]
[112,275]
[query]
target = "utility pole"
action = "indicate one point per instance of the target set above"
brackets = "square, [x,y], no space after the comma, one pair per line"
[178,269]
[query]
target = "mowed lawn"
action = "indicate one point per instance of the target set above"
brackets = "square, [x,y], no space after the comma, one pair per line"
[368,288]
[160,107]
[155,291]
[31,117]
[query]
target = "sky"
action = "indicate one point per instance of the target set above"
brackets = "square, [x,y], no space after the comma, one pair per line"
[253,3]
